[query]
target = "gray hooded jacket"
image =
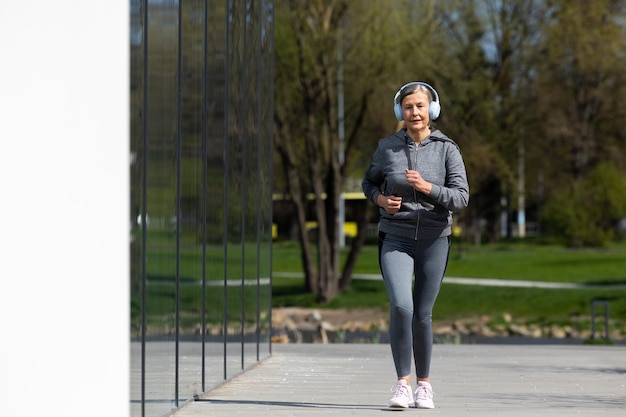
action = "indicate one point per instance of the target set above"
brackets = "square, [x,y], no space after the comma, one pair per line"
[438,159]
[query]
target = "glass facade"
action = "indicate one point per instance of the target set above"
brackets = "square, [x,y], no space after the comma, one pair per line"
[201,117]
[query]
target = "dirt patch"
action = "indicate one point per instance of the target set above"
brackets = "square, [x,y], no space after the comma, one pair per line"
[338,318]
[309,325]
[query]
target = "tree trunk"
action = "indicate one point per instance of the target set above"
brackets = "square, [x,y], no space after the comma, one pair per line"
[364,216]
[285,148]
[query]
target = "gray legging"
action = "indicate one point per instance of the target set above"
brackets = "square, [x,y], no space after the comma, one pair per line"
[410,324]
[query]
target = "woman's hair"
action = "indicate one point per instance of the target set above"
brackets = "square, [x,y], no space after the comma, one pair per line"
[415,88]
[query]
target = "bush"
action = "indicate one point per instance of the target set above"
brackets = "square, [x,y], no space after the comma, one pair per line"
[585,214]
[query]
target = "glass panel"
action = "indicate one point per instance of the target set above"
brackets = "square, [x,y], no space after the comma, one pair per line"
[215,191]
[200,257]
[235,211]
[161,177]
[251,190]
[136,204]
[136,168]
[190,217]
[265,104]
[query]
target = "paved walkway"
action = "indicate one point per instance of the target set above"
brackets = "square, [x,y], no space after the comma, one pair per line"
[487,282]
[469,380]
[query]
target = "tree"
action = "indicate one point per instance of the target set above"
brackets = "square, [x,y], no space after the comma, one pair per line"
[582,84]
[524,83]
[476,82]
[312,39]
[586,214]
[536,86]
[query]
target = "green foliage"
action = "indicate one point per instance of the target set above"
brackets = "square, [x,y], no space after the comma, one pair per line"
[552,263]
[523,261]
[161,307]
[519,81]
[320,47]
[584,214]
[520,261]
[161,283]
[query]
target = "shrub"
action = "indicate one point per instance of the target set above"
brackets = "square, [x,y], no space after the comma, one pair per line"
[585,213]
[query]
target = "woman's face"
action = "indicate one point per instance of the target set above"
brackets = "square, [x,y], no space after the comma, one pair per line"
[415,111]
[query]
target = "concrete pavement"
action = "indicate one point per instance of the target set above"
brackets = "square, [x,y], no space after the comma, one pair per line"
[469,380]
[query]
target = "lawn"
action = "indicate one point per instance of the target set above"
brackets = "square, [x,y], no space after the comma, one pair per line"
[511,260]
[519,261]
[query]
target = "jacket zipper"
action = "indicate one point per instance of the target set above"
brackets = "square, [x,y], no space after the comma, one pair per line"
[417,221]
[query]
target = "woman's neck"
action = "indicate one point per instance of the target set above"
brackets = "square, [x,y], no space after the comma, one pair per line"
[419,135]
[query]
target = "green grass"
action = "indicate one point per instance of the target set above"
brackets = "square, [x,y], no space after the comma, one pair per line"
[541,263]
[520,261]
[161,288]
[524,261]
[512,260]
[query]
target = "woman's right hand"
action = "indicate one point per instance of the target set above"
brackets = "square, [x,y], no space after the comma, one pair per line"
[390,203]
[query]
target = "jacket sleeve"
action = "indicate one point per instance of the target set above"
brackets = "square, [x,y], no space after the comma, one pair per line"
[454,195]
[373,179]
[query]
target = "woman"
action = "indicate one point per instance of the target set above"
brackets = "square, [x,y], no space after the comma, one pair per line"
[417,179]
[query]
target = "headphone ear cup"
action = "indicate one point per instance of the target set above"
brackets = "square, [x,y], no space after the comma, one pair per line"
[433,110]
[397,109]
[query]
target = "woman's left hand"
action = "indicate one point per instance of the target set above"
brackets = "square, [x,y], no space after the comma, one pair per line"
[415,180]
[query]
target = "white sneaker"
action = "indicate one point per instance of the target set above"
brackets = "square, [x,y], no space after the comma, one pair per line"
[402,395]
[424,395]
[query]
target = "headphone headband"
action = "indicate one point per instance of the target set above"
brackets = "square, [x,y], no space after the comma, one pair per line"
[434,106]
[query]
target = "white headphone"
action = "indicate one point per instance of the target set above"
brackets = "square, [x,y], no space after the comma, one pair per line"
[433,108]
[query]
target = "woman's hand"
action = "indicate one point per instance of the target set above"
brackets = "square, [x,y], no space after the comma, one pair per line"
[390,203]
[416,181]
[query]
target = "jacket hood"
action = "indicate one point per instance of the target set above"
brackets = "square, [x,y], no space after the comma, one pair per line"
[435,135]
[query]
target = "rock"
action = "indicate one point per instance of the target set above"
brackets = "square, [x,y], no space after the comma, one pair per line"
[518,330]
[314,316]
[283,338]
[304,325]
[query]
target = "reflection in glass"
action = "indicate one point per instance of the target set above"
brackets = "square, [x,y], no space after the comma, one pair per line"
[200,204]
